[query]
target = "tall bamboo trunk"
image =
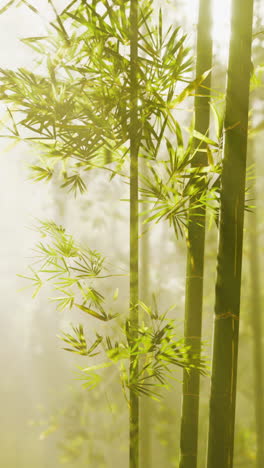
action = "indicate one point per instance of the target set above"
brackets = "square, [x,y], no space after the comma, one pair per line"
[195,247]
[228,283]
[144,293]
[256,324]
[134,125]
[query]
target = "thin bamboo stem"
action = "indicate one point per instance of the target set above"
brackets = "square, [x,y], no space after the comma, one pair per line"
[146,408]
[134,144]
[195,247]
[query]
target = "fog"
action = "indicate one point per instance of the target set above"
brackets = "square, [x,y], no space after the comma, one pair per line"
[48,419]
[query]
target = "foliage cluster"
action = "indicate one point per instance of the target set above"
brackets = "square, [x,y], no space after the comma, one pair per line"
[75,272]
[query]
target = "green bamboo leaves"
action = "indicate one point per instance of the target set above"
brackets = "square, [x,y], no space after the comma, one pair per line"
[69,266]
[74,272]
[155,351]
[78,109]
[78,343]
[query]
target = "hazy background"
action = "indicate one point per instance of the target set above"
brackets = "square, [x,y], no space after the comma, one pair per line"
[38,386]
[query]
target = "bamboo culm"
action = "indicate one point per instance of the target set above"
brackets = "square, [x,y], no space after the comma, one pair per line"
[134,144]
[256,322]
[228,283]
[195,246]
[146,405]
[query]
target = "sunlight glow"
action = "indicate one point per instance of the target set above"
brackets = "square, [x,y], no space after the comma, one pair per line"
[221,27]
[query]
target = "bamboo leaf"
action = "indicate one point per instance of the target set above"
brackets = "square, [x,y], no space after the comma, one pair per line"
[188,91]
[91,312]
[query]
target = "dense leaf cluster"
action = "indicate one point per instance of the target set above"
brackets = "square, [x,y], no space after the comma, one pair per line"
[76,106]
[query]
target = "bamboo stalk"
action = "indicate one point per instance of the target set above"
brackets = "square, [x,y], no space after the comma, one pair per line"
[195,247]
[146,407]
[228,284]
[134,144]
[256,324]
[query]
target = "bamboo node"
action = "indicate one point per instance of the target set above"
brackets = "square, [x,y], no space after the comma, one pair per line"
[226,315]
[193,337]
[194,277]
[189,454]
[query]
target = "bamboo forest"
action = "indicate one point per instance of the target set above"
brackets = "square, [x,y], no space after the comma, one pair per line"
[131,136]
